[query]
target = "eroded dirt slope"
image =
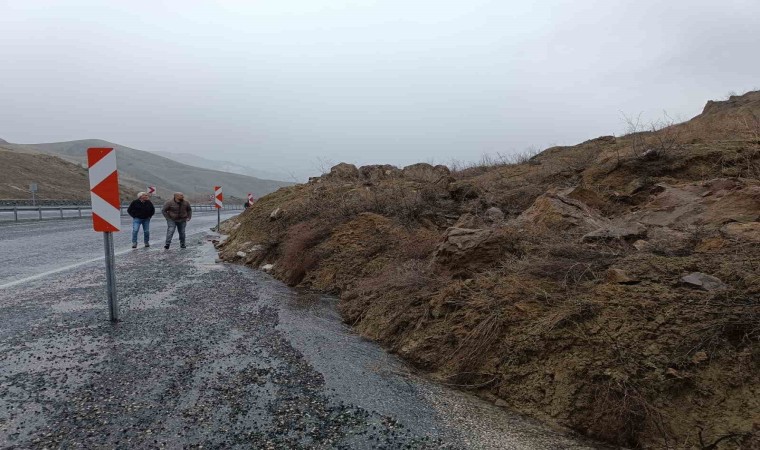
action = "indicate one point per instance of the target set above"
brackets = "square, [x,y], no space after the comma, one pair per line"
[612,287]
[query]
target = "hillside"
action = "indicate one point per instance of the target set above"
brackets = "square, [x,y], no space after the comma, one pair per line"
[612,287]
[56,178]
[143,168]
[224,166]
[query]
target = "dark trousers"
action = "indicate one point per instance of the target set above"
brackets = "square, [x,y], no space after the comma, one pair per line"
[170,226]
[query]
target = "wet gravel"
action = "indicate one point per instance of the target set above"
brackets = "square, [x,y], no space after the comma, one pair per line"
[215,356]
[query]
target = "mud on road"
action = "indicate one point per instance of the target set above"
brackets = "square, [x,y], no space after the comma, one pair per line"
[216,356]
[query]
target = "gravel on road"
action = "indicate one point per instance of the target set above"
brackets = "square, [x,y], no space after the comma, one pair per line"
[216,356]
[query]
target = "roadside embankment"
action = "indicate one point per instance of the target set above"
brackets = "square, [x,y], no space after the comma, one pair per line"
[612,287]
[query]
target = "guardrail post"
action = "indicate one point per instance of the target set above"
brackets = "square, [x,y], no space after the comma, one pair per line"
[61,210]
[39,209]
[79,208]
[15,213]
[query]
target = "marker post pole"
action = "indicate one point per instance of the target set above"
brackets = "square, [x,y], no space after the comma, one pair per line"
[113,306]
[106,213]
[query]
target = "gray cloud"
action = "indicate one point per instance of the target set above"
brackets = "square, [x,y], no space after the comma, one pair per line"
[279,85]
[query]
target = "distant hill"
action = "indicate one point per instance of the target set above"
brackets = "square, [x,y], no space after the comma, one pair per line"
[140,168]
[224,166]
[56,178]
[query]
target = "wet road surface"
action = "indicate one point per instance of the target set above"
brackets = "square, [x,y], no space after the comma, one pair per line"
[208,355]
[33,248]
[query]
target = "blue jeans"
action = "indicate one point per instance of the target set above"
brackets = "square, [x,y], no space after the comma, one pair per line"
[136,228]
[180,226]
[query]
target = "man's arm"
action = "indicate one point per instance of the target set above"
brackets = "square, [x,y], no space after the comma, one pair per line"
[165,210]
[189,211]
[152,209]
[131,209]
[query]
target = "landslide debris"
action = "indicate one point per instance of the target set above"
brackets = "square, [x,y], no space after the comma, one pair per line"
[612,287]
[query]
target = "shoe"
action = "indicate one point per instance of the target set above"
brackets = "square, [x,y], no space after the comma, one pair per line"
[134,245]
[182,246]
[147,245]
[166,247]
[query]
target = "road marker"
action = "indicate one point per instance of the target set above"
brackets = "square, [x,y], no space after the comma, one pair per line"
[218,197]
[106,212]
[250,199]
[151,190]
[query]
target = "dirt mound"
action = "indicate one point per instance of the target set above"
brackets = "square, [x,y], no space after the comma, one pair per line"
[612,287]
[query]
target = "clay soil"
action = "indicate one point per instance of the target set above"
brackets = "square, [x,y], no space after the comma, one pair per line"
[558,284]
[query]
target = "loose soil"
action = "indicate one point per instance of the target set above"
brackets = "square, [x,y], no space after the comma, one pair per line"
[556,285]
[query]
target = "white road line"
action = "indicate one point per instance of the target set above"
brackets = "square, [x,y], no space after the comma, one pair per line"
[73,266]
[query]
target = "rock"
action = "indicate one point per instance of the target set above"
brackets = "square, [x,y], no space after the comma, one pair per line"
[749,232]
[640,245]
[267,267]
[218,260]
[276,214]
[426,173]
[467,220]
[703,281]
[589,197]
[377,172]
[666,241]
[255,248]
[699,357]
[618,276]
[711,245]
[501,403]
[241,254]
[556,210]
[494,215]
[344,171]
[699,204]
[463,190]
[465,248]
[627,231]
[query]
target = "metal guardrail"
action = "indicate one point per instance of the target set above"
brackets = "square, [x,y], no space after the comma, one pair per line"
[82,211]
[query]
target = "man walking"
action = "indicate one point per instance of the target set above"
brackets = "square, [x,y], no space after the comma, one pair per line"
[141,210]
[177,212]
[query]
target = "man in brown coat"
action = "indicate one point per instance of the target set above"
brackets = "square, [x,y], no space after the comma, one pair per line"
[177,212]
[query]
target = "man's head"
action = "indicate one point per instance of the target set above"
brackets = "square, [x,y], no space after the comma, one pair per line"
[143,196]
[179,196]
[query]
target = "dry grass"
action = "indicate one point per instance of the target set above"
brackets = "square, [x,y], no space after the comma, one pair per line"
[530,316]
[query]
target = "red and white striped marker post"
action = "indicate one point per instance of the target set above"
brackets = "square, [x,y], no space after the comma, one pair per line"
[151,190]
[250,199]
[218,198]
[106,212]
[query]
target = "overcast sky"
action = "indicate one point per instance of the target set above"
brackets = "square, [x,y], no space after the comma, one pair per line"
[284,84]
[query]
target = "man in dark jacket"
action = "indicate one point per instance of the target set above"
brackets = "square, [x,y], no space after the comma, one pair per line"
[141,210]
[177,212]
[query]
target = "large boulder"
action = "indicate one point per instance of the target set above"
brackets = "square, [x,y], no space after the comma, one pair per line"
[423,172]
[377,172]
[344,171]
[470,248]
[557,210]
[709,204]
[463,246]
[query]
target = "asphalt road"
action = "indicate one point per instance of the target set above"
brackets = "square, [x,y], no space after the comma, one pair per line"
[24,214]
[206,355]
